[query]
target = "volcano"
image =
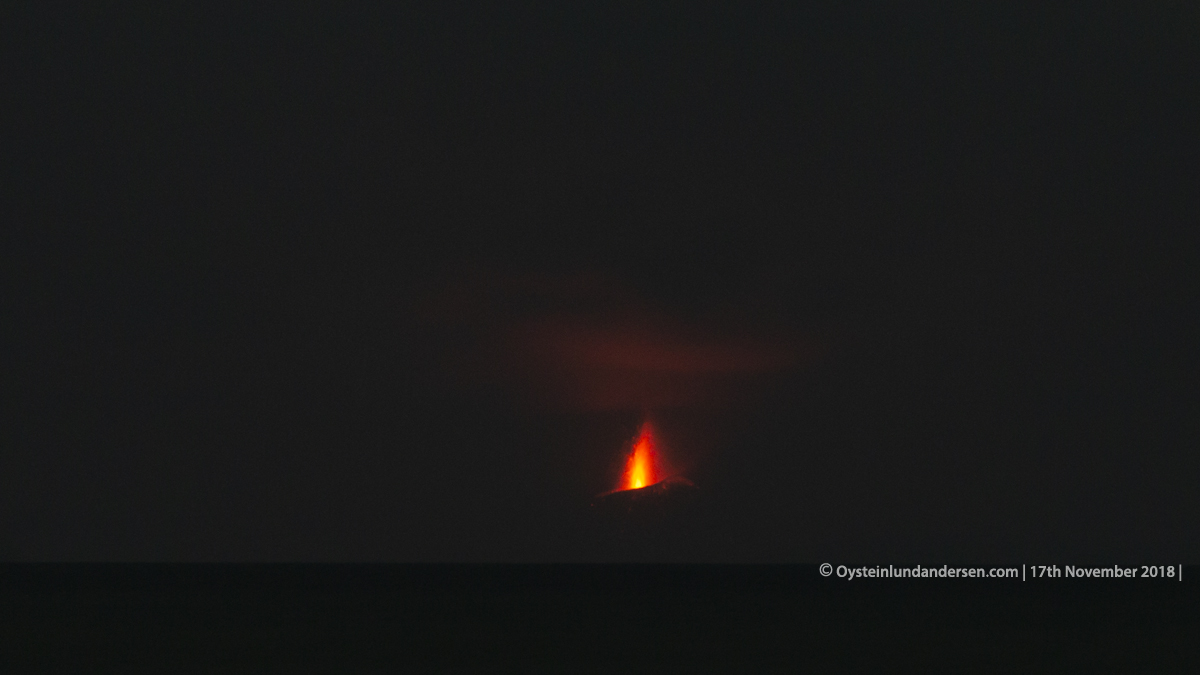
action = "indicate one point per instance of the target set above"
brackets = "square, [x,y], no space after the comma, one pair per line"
[646,523]
[647,484]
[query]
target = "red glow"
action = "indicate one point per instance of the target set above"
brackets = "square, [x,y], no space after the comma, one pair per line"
[642,468]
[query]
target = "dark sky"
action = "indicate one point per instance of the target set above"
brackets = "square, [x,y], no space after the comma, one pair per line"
[318,284]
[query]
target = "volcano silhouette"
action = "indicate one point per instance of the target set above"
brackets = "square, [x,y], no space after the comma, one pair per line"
[661,499]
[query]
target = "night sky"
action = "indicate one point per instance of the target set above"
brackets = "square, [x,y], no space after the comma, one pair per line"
[331,284]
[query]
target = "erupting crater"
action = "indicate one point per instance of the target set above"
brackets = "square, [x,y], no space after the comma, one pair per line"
[646,475]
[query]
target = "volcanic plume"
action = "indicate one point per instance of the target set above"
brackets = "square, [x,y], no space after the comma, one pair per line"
[593,344]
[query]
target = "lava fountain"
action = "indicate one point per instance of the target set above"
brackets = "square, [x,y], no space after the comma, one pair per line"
[650,491]
[642,469]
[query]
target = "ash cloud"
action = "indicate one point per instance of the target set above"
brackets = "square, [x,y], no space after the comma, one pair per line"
[588,342]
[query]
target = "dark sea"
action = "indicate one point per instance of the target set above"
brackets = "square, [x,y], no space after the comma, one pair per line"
[384,618]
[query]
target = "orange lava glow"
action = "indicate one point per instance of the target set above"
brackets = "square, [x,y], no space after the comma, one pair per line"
[642,469]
